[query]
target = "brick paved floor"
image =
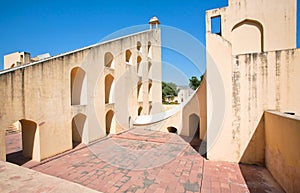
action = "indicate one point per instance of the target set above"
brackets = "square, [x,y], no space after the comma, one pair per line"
[13,143]
[151,161]
[17,179]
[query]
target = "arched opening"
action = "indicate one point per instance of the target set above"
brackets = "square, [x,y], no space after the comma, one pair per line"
[109,122]
[139,69]
[140,111]
[128,58]
[247,37]
[139,93]
[130,122]
[78,86]
[78,125]
[172,130]
[149,69]
[139,59]
[28,137]
[139,46]
[150,109]
[23,145]
[149,66]
[109,89]
[149,50]
[194,125]
[150,91]
[149,87]
[194,131]
[109,60]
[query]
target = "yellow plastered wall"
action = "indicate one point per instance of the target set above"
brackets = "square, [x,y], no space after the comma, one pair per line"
[282,149]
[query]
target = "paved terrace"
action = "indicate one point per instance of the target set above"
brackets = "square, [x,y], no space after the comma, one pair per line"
[147,161]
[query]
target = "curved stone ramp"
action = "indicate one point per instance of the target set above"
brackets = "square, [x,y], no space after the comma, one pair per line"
[14,178]
[150,119]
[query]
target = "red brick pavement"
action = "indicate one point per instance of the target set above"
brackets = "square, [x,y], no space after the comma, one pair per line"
[13,143]
[152,161]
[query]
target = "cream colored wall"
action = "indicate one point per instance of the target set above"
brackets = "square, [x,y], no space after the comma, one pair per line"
[37,93]
[219,65]
[195,107]
[2,145]
[15,58]
[247,39]
[173,122]
[183,120]
[126,77]
[253,82]
[282,149]
[41,92]
[259,82]
[262,82]
[277,35]
[202,98]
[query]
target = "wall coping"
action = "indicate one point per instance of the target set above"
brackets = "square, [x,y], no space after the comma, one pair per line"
[285,115]
[71,52]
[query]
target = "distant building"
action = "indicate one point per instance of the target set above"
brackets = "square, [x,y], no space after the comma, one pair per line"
[184,93]
[20,58]
[16,59]
[40,57]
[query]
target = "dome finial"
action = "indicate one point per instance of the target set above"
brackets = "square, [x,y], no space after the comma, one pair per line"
[154,22]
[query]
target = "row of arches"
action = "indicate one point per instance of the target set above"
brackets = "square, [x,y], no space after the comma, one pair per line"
[139,47]
[149,68]
[79,81]
[79,87]
[149,90]
[79,124]
[140,110]
[109,58]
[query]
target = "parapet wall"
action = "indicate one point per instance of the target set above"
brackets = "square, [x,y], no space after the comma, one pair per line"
[261,82]
[254,83]
[282,149]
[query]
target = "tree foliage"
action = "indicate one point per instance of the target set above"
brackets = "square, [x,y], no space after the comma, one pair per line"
[195,82]
[169,90]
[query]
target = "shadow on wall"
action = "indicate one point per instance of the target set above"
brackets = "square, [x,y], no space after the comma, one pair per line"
[257,176]
[275,146]
[22,146]
[255,150]
[78,123]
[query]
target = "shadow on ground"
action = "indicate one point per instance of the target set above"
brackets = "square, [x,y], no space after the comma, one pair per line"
[259,179]
[17,158]
[196,143]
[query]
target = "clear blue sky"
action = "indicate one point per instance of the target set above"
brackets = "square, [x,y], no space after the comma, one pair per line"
[54,26]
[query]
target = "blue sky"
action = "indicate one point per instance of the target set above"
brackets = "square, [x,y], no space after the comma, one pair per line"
[59,26]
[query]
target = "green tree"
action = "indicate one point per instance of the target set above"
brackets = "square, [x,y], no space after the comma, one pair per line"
[195,82]
[169,90]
